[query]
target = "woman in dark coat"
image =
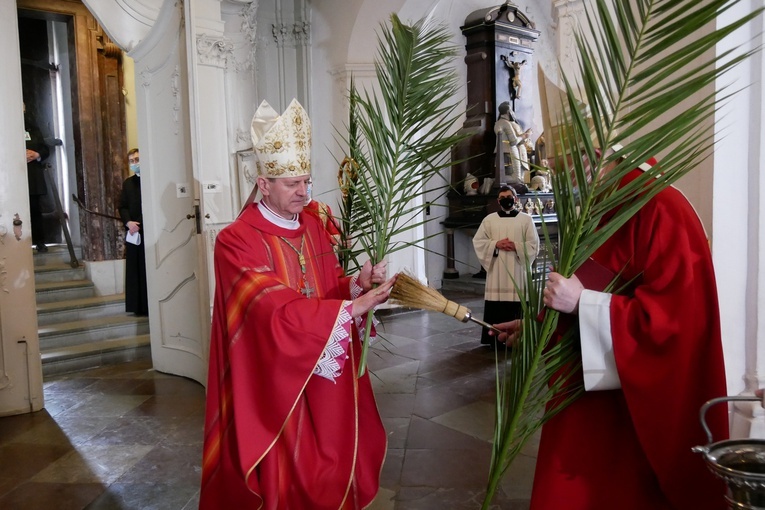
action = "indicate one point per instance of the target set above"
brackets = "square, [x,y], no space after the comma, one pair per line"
[136,299]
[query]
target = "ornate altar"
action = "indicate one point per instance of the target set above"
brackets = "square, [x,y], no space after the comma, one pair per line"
[499,45]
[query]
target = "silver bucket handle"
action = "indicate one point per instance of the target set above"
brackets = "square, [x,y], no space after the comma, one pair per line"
[710,403]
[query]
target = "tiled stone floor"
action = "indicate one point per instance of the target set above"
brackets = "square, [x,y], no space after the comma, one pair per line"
[128,437]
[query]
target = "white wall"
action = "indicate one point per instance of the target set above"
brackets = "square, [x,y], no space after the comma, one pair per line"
[739,224]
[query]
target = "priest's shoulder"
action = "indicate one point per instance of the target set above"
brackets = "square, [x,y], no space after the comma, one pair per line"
[673,201]
[310,219]
[242,226]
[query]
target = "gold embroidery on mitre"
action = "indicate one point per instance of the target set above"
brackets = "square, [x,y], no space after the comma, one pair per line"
[282,143]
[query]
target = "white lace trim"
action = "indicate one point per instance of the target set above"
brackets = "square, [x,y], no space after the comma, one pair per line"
[328,366]
[356,289]
[361,324]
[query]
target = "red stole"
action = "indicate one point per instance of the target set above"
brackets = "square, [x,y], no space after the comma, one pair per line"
[277,437]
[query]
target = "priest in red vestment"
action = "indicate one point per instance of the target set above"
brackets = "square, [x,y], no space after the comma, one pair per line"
[289,424]
[652,356]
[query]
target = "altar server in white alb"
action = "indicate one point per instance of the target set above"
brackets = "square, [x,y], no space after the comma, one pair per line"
[506,243]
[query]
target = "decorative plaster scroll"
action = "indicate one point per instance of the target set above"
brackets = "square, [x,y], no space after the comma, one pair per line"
[212,234]
[301,30]
[567,14]
[213,51]
[248,174]
[280,33]
[297,34]
[250,31]
[243,136]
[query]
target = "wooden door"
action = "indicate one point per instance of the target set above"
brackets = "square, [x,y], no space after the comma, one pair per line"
[20,363]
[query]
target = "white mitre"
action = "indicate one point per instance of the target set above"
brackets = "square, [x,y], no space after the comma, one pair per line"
[282,143]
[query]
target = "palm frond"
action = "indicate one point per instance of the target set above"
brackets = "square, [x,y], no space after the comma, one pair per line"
[405,132]
[637,60]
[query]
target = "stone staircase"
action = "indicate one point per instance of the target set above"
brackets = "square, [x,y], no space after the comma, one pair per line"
[77,328]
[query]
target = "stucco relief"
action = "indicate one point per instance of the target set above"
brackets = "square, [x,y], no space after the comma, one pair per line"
[248,39]
[213,51]
[243,136]
[567,14]
[301,30]
[291,35]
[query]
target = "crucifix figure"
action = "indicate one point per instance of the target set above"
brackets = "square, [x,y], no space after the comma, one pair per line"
[514,80]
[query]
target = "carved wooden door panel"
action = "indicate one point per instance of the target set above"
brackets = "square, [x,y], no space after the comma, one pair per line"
[178,307]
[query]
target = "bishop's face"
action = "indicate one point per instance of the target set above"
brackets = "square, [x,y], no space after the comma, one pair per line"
[285,196]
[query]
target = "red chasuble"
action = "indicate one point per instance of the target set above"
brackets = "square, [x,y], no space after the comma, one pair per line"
[630,449]
[277,436]
[324,213]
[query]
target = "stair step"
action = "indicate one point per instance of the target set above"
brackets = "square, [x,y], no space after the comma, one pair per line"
[58,273]
[95,354]
[71,310]
[56,254]
[79,330]
[58,291]
[67,334]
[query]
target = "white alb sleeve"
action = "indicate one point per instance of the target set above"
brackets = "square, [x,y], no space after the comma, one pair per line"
[598,361]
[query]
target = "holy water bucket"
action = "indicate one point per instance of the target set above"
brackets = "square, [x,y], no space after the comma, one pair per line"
[739,462]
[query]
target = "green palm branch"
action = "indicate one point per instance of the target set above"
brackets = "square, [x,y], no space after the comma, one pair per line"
[637,60]
[346,179]
[406,129]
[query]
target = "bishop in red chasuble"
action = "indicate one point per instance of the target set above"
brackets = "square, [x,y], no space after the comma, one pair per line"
[289,425]
[652,357]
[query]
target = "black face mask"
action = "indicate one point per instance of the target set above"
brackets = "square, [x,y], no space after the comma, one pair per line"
[506,203]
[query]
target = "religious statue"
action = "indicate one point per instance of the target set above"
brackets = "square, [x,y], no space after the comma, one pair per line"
[540,149]
[486,185]
[471,184]
[509,143]
[541,179]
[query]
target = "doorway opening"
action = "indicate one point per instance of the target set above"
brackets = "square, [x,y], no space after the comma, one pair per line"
[46,74]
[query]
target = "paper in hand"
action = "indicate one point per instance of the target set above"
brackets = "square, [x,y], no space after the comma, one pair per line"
[133,238]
